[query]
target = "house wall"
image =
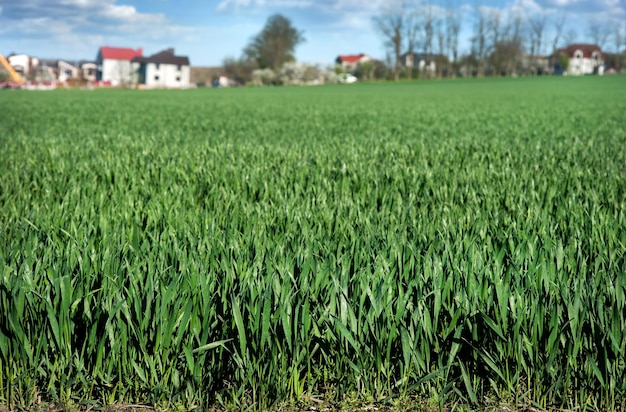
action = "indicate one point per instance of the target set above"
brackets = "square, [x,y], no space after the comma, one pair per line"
[20,62]
[429,67]
[167,75]
[583,65]
[67,71]
[410,60]
[89,71]
[118,72]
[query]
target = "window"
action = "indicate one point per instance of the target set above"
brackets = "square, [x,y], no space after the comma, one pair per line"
[178,67]
[157,66]
[177,78]
[578,54]
[156,77]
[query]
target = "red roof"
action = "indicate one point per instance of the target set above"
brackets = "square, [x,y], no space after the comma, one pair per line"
[119,53]
[586,49]
[350,58]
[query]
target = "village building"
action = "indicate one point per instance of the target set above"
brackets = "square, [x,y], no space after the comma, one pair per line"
[114,65]
[424,62]
[88,70]
[163,70]
[583,59]
[350,61]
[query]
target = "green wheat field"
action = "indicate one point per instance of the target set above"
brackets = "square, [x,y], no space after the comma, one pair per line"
[435,245]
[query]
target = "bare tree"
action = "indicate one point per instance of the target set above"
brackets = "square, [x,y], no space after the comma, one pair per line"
[599,32]
[412,35]
[494,32]
[396,25]
[429,31]
[440,36]
[453,27]
[570,37]
[506,46]
[479,42]
[537,25]
[517,39]
[618,39]
[558,31]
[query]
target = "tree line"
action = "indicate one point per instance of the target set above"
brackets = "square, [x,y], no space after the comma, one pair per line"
[500,45]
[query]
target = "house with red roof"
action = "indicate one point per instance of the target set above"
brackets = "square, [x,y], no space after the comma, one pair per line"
[163,70]
[350,61]
[583,59]
[115,65]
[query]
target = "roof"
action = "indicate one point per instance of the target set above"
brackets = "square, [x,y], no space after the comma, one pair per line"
[587,49]
[164,57]
[351,58]
[119,53]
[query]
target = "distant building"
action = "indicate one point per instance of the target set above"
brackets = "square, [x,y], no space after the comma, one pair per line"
[67,71]
[88,70]
[351,61]
[538,64]
[583,59]
[114,65]
[423,62]
[23,63]
[46,71]
[163,69]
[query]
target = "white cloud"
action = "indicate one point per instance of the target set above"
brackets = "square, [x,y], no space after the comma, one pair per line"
[74,10]
[59,28]
[236,4]
[129,14]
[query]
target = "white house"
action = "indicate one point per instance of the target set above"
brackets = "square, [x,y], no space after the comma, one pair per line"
[163,70]
[88,70]
[114,65]
[426,63]
[350,61]
[23,63]
[67,71]
[584,59]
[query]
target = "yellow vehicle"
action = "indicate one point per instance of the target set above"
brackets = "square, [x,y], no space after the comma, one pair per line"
[13,75]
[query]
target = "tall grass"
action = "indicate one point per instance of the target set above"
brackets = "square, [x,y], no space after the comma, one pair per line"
[459,241]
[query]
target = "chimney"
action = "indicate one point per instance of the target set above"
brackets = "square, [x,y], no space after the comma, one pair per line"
[170,50]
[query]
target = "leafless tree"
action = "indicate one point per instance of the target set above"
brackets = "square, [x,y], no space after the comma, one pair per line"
[506,46]
[618,39]
[493,26]
[479,42]
[599,32]
[537,25]
[453,27]
[440,36]
[570,37]
[558,31]
[412,35]
[429,33]
[494,32]
[515,35]
[396,24]
[505,51]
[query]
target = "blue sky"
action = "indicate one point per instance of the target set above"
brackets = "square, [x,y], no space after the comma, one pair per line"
[209,30]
